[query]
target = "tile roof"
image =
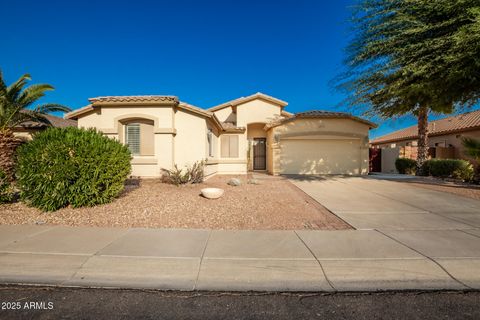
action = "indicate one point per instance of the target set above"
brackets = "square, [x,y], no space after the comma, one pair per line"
[254,96]
[322,114]
[147,98]
[458,123]
[230,127]
[195,109]
[55,121]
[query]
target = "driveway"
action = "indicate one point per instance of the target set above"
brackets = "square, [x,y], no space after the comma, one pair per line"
[374,203]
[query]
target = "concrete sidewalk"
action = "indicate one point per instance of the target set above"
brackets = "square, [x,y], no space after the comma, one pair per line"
[241,260]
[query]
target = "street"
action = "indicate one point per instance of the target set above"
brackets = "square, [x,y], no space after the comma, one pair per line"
[76,303]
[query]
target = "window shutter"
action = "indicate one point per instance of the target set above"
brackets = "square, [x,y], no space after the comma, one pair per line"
[132,137]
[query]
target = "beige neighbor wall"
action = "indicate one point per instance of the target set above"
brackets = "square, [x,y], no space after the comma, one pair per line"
[454,140]
[24,134]
[108,119]
[389,155]
[349,133]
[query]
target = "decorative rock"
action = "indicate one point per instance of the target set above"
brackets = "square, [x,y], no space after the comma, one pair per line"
[234,182]
[212,193]
[253,181]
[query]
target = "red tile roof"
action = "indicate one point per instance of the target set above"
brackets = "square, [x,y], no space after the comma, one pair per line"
[462,122]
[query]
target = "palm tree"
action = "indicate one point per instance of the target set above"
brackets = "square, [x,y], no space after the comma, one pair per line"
[472,148]
[15,101]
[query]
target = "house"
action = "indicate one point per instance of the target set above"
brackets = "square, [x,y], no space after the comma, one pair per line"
[248,133]
[444,140]
[27,129]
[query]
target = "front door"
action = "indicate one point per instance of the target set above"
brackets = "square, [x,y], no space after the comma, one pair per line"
[259,154]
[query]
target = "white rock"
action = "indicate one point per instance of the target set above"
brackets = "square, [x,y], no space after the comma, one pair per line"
[234,182]
[212,193]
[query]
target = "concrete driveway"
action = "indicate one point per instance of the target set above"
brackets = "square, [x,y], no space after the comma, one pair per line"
[374,203]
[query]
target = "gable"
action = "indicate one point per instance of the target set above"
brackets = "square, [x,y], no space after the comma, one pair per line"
[257,111]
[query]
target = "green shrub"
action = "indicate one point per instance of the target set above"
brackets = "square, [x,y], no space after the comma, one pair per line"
[405,166]
[449,168]
[6,192]
[71,166]
[193,174]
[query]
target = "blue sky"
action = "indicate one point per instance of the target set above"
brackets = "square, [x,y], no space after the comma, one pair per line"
[204,52]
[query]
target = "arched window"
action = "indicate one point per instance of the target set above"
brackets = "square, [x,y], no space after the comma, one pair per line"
[139,136]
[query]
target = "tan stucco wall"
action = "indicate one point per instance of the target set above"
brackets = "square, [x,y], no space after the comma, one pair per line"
[191,138]
[252,115]
[109,121]
[346,130]
[224,114]
[256,111]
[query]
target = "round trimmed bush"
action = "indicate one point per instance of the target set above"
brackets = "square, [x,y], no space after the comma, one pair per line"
[71,166]
[405,166]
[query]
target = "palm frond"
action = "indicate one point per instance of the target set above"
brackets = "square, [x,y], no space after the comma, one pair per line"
[33,93]
[51,107]
[16,99]
[14,90]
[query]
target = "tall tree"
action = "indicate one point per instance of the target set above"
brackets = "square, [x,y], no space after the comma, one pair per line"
[414,57]
[15,101]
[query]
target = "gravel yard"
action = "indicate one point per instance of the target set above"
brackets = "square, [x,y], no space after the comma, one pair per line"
[274,203]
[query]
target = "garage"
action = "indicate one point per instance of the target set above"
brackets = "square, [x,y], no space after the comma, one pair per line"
[318,142]
[320,156]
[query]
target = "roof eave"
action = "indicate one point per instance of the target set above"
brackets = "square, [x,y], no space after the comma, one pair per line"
[73,115]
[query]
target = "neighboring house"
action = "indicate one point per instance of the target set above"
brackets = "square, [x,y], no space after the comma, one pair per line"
[27,129]
[444,140]
[249,133]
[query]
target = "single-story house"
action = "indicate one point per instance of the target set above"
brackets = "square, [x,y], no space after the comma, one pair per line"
[444,139]
[27,129]
[248,133]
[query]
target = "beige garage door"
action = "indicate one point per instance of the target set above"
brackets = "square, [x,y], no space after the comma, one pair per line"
[320,156]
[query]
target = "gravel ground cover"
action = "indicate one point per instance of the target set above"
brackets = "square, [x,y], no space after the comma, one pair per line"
[274,203]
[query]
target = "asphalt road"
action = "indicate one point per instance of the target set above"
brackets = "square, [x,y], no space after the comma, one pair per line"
[68,303]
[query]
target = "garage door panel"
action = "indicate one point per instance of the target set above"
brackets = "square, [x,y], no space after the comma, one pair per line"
[320,156]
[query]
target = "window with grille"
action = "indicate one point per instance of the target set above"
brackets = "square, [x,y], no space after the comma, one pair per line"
[132,137]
